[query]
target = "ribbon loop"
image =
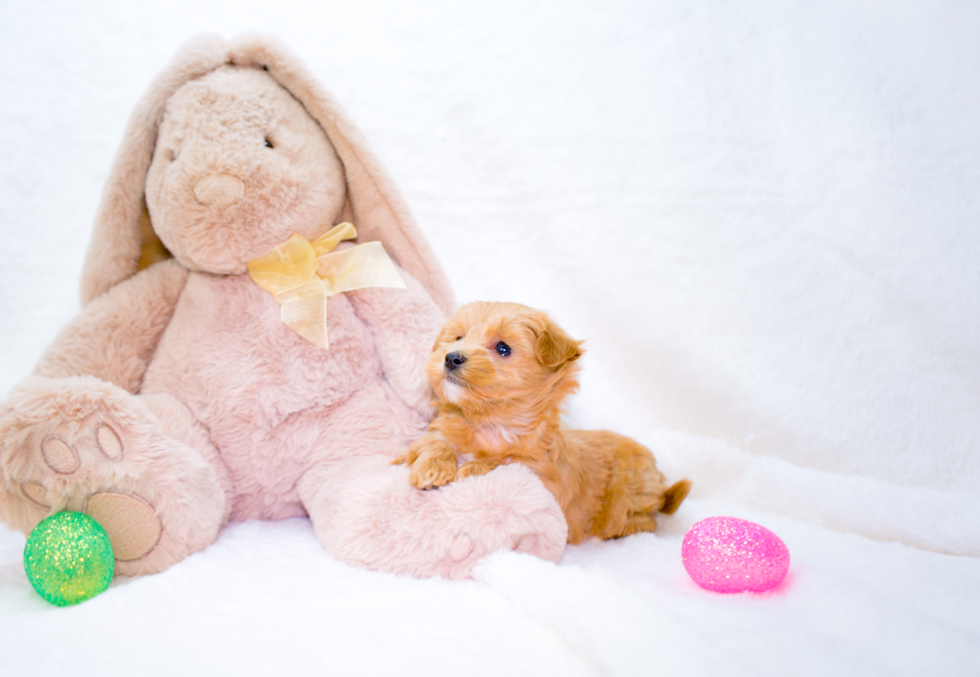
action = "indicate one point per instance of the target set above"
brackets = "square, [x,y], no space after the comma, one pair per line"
[366,265]
[301,275]
[327,242]
[288,266]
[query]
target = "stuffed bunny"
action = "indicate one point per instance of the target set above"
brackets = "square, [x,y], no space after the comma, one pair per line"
[182,397]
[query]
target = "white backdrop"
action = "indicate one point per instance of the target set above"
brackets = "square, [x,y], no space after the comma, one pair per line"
[764,219]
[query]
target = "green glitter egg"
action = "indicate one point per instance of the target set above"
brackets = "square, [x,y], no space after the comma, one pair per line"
[68,558]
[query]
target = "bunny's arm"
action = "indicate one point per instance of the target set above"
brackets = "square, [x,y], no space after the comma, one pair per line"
[404,324]
[115,336]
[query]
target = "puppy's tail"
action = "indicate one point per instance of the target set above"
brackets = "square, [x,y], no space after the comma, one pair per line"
[674,496]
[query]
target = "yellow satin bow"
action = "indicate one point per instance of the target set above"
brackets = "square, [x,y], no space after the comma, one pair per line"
[301,275]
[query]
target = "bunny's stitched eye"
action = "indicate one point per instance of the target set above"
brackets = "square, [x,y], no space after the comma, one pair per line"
[459,338]
[502,349]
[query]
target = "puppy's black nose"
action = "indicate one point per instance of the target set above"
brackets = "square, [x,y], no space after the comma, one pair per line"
[454,360]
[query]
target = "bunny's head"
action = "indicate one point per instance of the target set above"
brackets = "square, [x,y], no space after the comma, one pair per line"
[233,149]
[239,166]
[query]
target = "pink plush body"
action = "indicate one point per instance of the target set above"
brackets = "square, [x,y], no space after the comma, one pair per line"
[275,404]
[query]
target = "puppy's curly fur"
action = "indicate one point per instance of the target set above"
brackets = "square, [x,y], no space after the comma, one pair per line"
[500,372]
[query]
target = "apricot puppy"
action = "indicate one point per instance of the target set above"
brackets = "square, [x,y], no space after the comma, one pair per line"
[499,373]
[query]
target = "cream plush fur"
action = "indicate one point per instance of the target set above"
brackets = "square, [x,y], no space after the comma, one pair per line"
[178,400]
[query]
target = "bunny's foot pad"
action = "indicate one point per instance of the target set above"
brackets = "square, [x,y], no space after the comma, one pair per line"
[131,523]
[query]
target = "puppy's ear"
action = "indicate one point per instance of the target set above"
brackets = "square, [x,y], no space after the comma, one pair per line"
[554,347]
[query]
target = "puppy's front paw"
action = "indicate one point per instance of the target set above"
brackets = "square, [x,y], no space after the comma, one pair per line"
[433,470]
[432,460]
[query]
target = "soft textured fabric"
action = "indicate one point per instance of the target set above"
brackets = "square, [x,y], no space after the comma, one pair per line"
[759,216]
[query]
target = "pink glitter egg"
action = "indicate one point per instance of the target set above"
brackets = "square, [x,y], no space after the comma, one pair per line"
[728,554]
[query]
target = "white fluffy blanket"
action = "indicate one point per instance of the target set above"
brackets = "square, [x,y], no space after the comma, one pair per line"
[763,218]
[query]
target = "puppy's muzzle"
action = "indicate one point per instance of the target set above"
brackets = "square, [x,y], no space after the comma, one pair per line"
[454,361]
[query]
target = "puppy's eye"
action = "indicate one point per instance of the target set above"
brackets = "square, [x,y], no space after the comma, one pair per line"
[459,338]
[268,144]
[502,349]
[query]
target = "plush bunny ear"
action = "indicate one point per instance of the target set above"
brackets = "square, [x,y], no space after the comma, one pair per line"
[374,205]
[122,223]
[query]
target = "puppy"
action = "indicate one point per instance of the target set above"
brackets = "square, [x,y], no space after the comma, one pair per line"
[500,372]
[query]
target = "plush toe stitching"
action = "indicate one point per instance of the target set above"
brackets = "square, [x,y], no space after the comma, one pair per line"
[59,455]
[108,443]
[461,548]
[35,492]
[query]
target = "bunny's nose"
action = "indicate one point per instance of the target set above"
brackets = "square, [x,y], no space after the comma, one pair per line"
[219,190]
